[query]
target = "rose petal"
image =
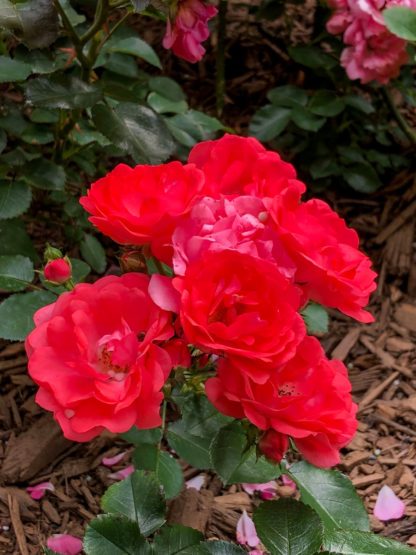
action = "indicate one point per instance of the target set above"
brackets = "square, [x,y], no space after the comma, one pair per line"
[388,506]
[288,482]
[163,294]
[122,474]
[267,490]
[64,544]
[111,461]
[196,483]
[246,531]
[38,491]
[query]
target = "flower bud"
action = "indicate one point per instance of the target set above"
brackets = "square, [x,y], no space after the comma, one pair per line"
[58,271]
[51,253]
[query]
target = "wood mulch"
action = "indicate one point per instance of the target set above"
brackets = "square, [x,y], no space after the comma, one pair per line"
[381,359]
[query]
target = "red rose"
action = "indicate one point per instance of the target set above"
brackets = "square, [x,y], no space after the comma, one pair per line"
[142,205]
[95,355]
[307,399]
[233,224]
[330,267]
[58,271]
[239,305]
[242,166]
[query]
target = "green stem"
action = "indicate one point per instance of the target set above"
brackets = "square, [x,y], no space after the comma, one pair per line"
[162,434]
[114,29]
[72,33]
[405,127]
[99,18]
[220,73]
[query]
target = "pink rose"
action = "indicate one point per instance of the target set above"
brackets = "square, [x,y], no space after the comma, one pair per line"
[58,271]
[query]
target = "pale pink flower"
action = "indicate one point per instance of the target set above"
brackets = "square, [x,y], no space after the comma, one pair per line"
[38,491]
[111,461]
[64,544]
[288,482]
[196,483]
[267,491]
[122,474]
[388,506]
[246,531]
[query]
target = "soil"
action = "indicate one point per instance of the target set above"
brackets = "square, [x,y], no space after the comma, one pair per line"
[381,359]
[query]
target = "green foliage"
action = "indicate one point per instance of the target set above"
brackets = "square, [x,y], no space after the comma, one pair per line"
[175,540]
[352,542]
[15,272]
[15,198]
[93,253]
[114,535]
[16,313]
[165,467]
[287,527]
[214,548]
[401,21]
[316,318]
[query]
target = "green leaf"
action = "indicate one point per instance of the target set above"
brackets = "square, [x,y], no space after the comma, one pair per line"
[114,535]
[13,70]
[3,140]
[135,46]
[137,437]
[167,87]
[233,462]
[16,272]
[62,91]
[312,56]
[138,498]
[316,318]
[44,174]
[16,313]
[163,105]
[192,127]
[37,135]
[167,469]
[122,64]
[362,177]
[139,5]
[93,252]
[353,542]
[15,240]
[326,103]
[288,95]
[287,527]
[214,548]
[135,129]
[269,122]
[74,17]
[42,115]
[401,21]
[306,120]
[173,540]
[331,495]
[15,198]
[324,167]
[359,103]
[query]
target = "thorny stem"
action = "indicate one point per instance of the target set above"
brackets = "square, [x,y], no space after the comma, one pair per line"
[405,127]
[114,29]
[220,73]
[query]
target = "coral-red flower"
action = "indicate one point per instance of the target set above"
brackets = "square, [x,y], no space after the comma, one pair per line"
[330,267]
[236,304]
[96,354]
[307,399]
[242,166]
[58,270]
[141,205]
[189,28]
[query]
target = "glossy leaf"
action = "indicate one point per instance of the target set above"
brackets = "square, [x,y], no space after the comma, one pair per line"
[163,105]
[13,70]
[312,56]
[16,313]
[288,95]
[326,103]
[166,468]
[114,535]
[44,174]
[135,46]
[93,253]
[316,318]
[331,495]
[15,198]
[167,87]
[62,91]
[353,542]
[269,122]
[362,177]
[174,540]
[214,548]
[401,21]
[306,120]
[15,240]
[138,498]
[137,437]
[16,272]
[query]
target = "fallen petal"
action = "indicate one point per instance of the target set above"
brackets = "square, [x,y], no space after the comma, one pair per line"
[38,491]
[267,490]
[246,531]
[388,506]
[288,482]
[196,483]
[122,474]
[64,544]
[111,461]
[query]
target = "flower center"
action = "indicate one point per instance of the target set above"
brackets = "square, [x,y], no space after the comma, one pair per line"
[117,352]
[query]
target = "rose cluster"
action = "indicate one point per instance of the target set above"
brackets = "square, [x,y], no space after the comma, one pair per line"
[247,254]
[372,52]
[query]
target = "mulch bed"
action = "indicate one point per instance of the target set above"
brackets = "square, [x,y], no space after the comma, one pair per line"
[381,359]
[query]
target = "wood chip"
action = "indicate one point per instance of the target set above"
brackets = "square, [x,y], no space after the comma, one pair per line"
[395,224]
[192,508]
[386,358]
[17,524]
[354,458]
[363,481]
[343,348]
[375,392]
[405,315]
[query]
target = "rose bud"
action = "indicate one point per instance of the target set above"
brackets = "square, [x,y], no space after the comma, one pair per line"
[58,271]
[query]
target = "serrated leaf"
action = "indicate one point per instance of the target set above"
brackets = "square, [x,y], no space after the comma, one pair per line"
[288,95]
[62,91]
[37,135]
[163,105]
[353,542]
[138,498]
[331,495]
[192,127]
[362,177]
[16,271]
[312,56]
[137,437]
[135,46]
[167,87]
[93,253]
[16,313]
[287,527]
[326,103]
[15,198]
[44,174]
[15,240]
[174,540]
[167,469]
[401,21]
[269,121]
[316,318]
[13,70]
[114,535]
[359,103]
[233,463]
[306,120]
[214,548]
[135,129]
